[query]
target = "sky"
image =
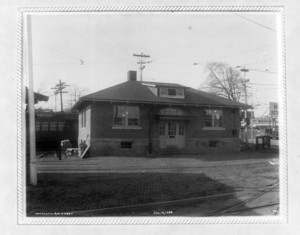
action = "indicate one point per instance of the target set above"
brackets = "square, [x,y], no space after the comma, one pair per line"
[94,51]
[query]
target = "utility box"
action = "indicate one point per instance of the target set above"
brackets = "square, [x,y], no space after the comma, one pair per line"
[264,141]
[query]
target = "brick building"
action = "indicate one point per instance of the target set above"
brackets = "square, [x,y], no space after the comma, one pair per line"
[148,117]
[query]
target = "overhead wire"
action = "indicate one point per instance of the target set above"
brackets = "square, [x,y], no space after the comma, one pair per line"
[59,51]
[254,22]
[86,39]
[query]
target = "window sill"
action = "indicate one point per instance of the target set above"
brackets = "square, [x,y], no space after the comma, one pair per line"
[213,128]
[127,127]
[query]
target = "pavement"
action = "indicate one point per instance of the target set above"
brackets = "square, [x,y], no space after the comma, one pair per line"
[249,173]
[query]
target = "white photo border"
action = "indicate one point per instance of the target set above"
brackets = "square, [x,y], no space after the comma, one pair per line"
[21,136]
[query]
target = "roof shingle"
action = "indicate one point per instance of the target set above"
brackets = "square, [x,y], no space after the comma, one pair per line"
[136,92]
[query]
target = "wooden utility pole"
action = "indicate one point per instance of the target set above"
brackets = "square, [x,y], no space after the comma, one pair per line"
[59,90]
[32,145]
[245,81]
[141,62]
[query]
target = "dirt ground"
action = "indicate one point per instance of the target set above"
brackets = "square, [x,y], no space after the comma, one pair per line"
[240,176]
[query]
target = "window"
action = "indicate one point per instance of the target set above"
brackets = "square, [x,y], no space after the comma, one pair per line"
[68,126]
[163,91]
[181,128]
[171,92]
[83,118]
[212,144]
[126,116]
[126,145]
[45,126]
[52,126]
[162,128]
[171,129]
[213,118]
[37,126]
[61,126]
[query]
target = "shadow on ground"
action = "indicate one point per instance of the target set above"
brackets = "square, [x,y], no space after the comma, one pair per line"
[130,194]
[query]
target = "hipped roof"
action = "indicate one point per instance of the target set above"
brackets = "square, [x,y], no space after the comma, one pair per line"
[135,92]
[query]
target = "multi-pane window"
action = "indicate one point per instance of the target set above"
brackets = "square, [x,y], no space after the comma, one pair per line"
[213,118]
[45,126]
[181,128]
[83,118]
[37,126]
[162,128]
[171,92]
[171,129]
[60,126]
[68,126]
[126,115]
[52,126]
[126,145]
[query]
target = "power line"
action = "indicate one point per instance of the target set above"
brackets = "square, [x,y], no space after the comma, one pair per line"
[262,71]
[264,84]
[254,22]
[259,62]
[63,53]
[243,52]
[86,39]
[238,53]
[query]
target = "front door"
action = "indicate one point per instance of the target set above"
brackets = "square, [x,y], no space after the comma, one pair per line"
[172,134]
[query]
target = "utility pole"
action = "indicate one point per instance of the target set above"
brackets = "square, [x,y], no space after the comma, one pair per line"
[141,62]
[29,73]
[245,81]
[59,90]
[55,93]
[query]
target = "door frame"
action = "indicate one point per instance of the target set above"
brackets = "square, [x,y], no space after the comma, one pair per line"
[180,136]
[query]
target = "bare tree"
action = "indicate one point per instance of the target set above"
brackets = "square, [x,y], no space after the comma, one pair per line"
[224,80]
[75,92]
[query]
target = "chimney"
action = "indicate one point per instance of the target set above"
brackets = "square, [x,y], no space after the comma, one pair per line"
[131,76]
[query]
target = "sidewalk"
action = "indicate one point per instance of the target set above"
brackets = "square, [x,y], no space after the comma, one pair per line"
[177,163]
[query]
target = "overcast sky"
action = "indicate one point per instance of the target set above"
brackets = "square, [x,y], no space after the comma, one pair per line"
[95,51]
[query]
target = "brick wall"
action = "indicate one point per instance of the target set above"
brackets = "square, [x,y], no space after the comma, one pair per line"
[231,122]
[107,141]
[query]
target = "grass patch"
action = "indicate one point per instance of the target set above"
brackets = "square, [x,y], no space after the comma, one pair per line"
[77,192]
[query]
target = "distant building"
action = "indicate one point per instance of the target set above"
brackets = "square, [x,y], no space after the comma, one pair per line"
[53,127]
[150,117]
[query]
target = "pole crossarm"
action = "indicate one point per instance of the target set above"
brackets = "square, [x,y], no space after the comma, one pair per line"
[141,62]
[59,90]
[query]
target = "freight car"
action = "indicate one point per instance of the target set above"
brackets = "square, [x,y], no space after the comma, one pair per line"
[53,127]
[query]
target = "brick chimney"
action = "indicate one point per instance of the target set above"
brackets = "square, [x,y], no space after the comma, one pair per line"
[131,76]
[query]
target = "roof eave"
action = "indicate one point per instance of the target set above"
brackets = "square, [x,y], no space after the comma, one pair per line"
[77,105]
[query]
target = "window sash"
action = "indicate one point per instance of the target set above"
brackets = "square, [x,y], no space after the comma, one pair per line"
[52,126]
[162,128]
[83,118]
[44,126]
[171,128]
[181,128]
[60,126]
[126,116]
[37,126]
[213,118]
